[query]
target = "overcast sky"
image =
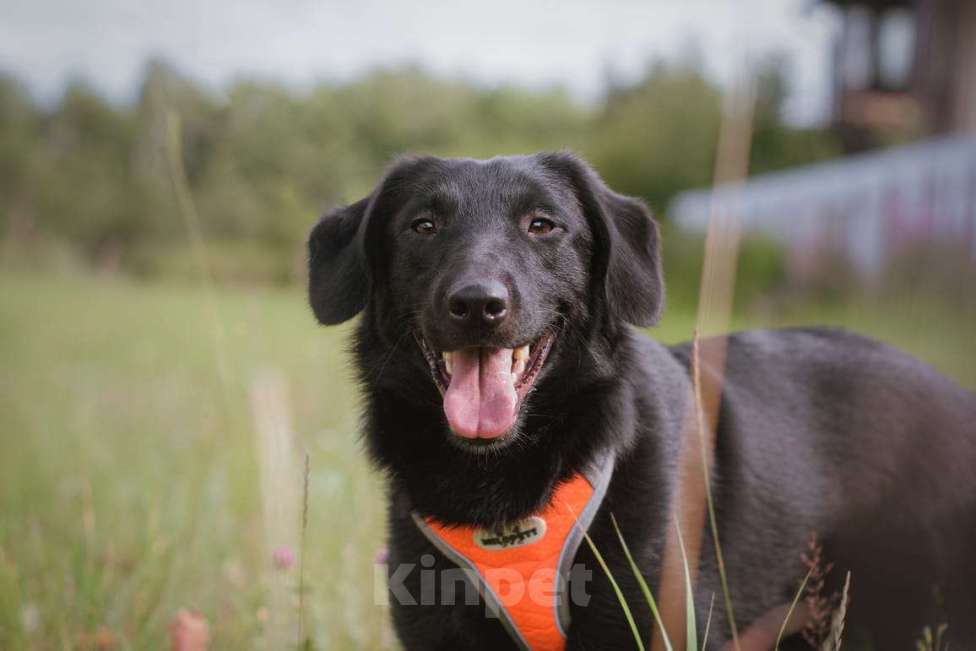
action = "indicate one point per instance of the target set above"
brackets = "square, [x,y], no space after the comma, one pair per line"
[568,42]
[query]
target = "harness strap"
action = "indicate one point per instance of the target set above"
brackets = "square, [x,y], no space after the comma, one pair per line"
[522,570]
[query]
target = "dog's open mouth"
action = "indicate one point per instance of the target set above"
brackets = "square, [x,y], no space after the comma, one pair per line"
[483,388]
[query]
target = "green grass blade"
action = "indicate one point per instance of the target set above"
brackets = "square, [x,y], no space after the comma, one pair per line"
[643,585]
[617,590]
[789,613]
[692,639]
[708,622]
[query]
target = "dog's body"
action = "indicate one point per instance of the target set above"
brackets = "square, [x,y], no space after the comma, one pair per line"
[819,431]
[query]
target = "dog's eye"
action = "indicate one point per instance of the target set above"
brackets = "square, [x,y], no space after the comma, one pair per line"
[423,226]
[540,226]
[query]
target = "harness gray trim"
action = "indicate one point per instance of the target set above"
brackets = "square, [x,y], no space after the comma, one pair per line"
[491,600]
[598,474]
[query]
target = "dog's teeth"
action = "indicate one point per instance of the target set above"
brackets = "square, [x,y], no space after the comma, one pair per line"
[519,368]
[448,365]
[519,357]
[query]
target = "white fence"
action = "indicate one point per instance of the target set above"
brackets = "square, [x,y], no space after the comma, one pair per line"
[867,206]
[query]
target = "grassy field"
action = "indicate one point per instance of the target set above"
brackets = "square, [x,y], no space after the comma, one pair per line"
[152,453]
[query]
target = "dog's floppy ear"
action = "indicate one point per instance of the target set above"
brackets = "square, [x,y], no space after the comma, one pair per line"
[337,282]
[344,241]
[626,252]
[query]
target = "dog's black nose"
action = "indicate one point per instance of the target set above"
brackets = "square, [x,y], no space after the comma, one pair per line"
[479,303]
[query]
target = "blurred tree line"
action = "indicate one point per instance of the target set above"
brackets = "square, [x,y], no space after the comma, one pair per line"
[87,182]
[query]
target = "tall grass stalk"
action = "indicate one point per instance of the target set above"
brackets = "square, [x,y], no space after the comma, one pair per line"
[616,588]
[718,282]
[643,586]
[691,639]
[835,638]
[301,558]
[191,220]
[933,642]
[198,474]
[789,613]
[713,522]
[708,622]
[278,475]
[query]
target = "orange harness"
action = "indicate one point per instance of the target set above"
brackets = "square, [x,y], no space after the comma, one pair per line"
[522,570]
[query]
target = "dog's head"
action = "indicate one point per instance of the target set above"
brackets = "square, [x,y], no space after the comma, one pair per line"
[490,279]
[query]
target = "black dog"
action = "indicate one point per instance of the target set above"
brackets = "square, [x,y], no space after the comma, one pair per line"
[498,357]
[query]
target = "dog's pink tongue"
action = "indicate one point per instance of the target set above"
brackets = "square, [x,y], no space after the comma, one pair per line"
[481,401]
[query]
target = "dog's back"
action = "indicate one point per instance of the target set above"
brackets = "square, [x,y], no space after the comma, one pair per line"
[832,434]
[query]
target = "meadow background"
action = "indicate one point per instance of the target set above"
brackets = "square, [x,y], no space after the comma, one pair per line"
[163,381]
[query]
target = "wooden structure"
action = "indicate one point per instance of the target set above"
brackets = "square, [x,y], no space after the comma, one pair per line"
[903,68]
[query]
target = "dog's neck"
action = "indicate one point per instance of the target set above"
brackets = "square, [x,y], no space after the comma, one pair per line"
[458,486]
